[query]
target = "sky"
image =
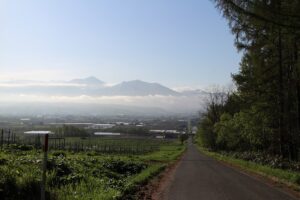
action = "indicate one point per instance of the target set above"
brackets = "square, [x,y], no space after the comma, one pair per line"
[173,42]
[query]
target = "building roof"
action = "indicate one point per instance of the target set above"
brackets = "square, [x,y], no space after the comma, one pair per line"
[38,132]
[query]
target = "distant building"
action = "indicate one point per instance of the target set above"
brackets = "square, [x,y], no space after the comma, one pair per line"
[86,125]
[77,124]
[167,131]
[101,126]
[123,123]
[25,121]
[107,134]
[140,125]
[194,130]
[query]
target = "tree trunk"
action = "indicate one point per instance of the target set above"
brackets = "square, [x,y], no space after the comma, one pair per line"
[281,96]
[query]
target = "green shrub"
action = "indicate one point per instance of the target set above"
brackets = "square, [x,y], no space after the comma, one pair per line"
[296,179]
[3,161]
[59,154]
[29,184]
[122,167]
[8,184]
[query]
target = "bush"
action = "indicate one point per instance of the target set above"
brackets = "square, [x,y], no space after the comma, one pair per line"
[29,185]
[206,135]
[21,147]
[3,161]
[59,154]
[126,168]
[296,179]
[8,184]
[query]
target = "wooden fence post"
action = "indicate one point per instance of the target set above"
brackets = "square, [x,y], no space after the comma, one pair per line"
[2,132]
[8,137]
[44,167]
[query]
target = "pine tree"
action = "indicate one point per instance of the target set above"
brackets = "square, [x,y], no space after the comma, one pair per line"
[268,33]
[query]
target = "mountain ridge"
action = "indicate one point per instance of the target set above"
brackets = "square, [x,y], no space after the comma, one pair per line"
[91,86]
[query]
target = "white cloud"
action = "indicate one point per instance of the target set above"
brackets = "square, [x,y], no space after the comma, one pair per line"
[177,103]
[188,88]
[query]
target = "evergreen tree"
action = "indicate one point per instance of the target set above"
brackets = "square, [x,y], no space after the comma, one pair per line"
[268,83]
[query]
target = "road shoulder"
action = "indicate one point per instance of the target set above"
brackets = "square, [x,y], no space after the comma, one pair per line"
[287,188]
[158,187]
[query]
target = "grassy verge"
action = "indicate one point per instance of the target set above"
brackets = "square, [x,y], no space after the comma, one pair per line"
[289,178]
[140,180]
[167,153]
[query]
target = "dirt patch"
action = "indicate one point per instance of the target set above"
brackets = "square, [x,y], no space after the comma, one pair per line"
[158,187]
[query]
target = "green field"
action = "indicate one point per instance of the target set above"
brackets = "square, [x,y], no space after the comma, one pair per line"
[84,174]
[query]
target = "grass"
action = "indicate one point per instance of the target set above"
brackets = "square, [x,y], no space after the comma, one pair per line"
[167,153]
[286,177]
[140,180]
[81,175]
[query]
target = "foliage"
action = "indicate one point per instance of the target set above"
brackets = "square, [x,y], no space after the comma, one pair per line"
[263,114]
[183,138]
[228,135]
[206,134]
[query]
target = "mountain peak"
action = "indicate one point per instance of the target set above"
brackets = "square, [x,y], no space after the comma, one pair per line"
[91,80]
[133,81]
[141,88]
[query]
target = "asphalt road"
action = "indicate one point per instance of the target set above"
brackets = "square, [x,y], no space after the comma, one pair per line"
[200,177]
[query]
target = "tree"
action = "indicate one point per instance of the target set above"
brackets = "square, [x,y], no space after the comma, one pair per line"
[268,83]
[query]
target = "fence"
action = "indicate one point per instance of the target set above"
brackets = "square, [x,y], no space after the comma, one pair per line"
[7,137]
[117,146]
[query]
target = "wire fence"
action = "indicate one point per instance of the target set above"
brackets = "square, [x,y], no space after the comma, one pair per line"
[76,144]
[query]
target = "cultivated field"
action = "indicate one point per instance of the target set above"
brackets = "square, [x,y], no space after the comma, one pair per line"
[85,171]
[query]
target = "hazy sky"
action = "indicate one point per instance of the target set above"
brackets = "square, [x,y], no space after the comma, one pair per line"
[173,42]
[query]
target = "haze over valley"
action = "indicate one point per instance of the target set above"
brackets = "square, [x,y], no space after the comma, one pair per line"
[92,96]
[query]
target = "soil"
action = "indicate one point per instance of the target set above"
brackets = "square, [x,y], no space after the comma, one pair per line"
[158,187]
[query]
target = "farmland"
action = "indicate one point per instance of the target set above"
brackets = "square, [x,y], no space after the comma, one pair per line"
[89,172]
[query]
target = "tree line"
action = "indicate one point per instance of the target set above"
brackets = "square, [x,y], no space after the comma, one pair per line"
[263,113]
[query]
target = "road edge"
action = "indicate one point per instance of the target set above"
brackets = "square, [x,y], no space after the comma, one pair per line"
[286,187]
[158,186]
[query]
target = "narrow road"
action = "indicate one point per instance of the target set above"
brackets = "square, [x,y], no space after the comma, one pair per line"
[200,177]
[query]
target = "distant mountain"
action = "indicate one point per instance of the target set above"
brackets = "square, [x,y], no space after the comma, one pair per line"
[196,92]
[140,88]
[89,81]
[91,96]
[92,86]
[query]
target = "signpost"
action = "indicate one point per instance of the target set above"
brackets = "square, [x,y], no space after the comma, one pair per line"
[45,150]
